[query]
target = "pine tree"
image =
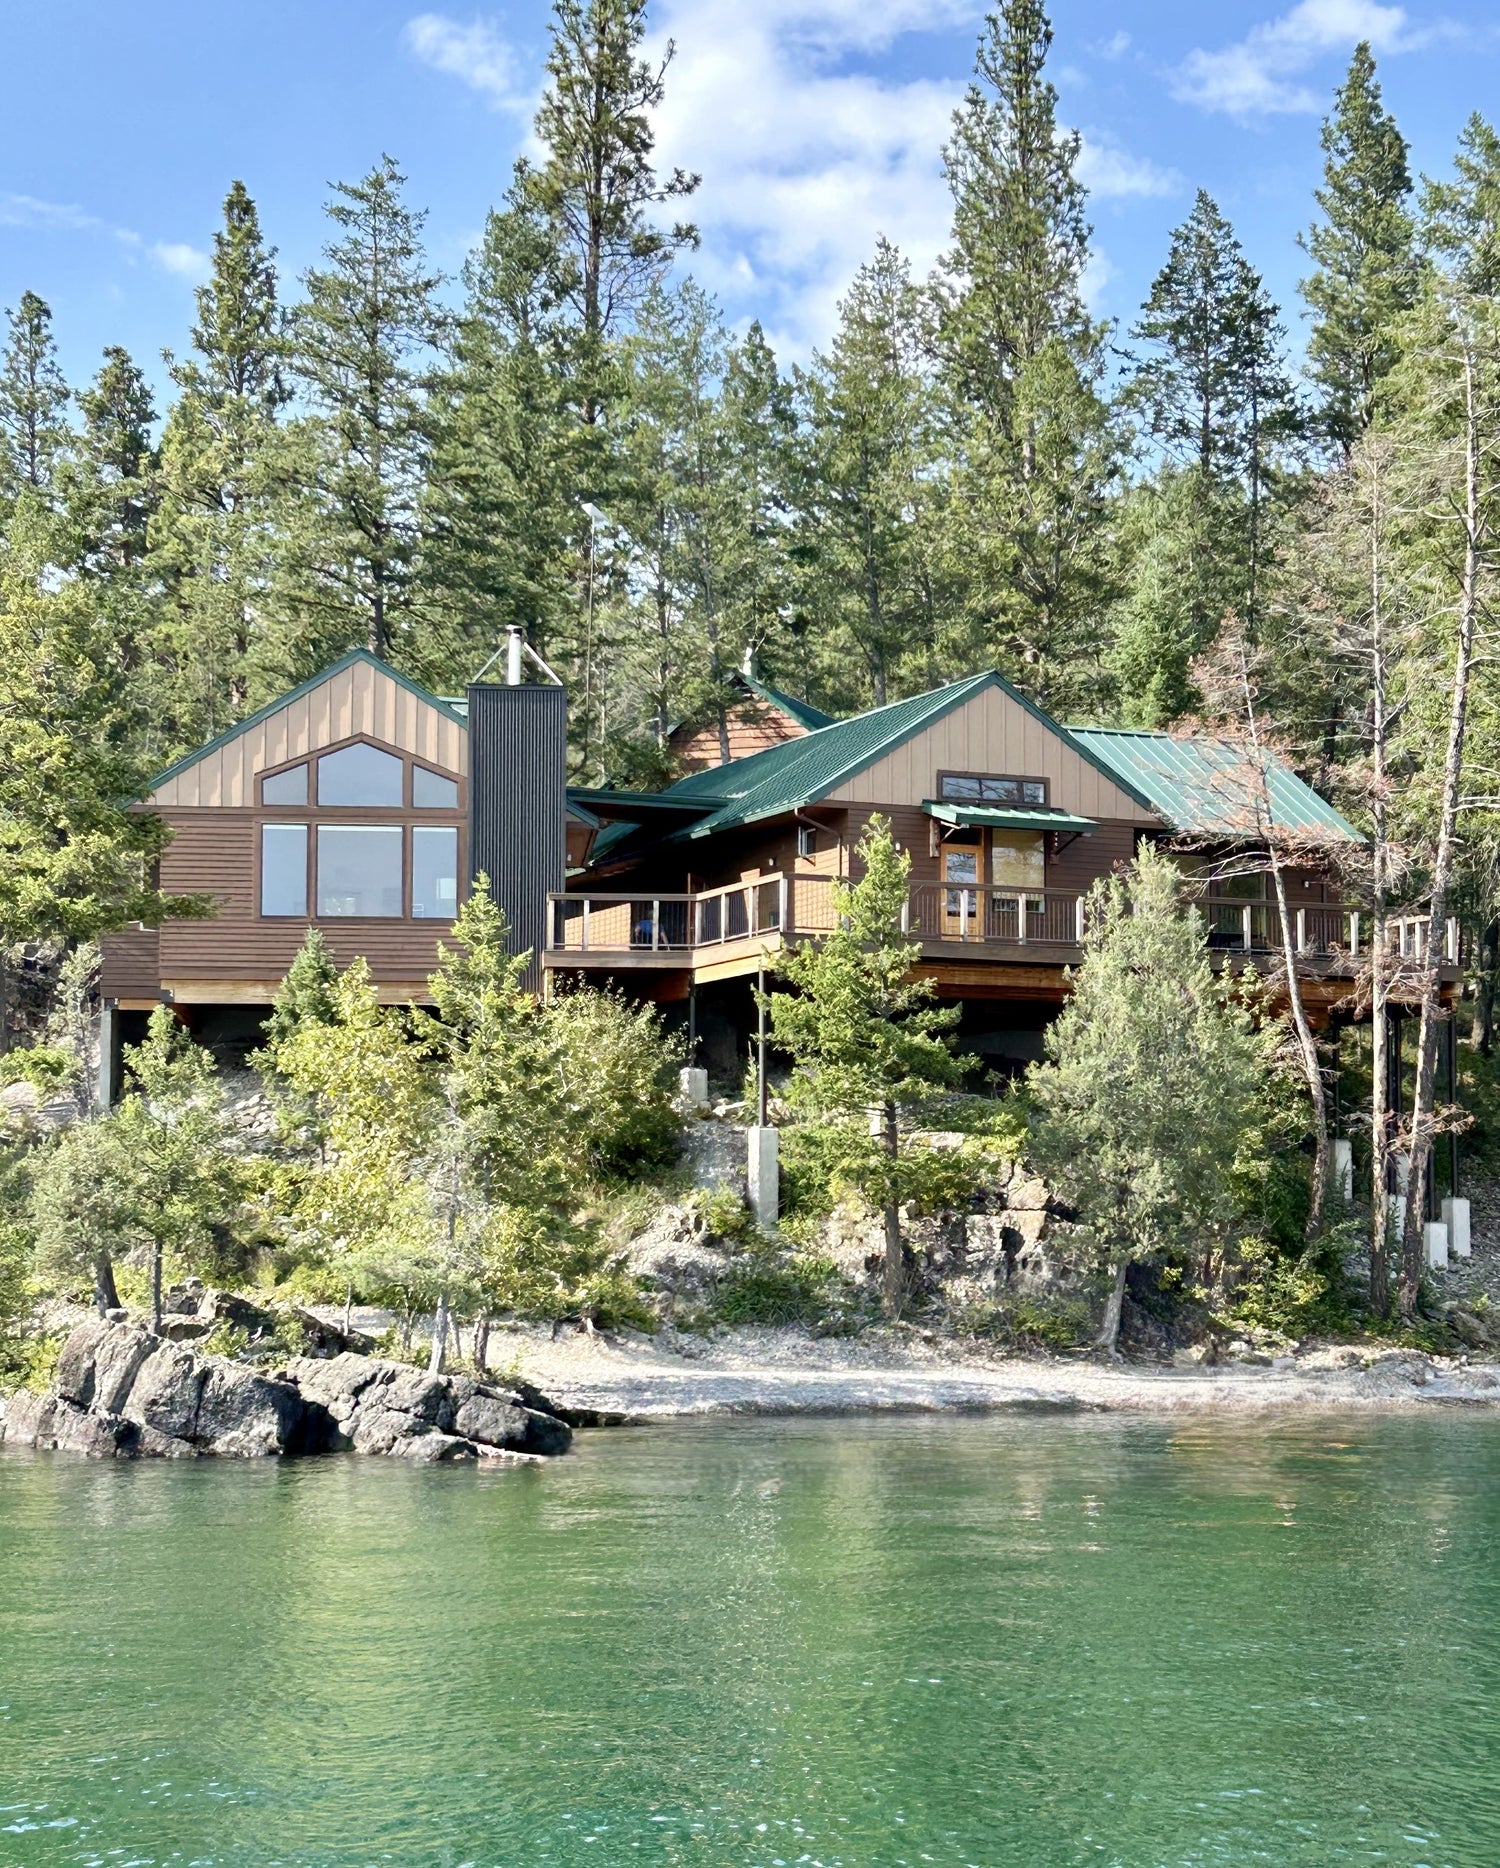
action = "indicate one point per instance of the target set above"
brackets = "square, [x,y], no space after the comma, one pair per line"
[111,481]
[1036,450]
[596,188]
[500,519]
[1212,392]
[361,345]
[213,538]
[33,401]
[1367,274]
[1461,218]
[870,445]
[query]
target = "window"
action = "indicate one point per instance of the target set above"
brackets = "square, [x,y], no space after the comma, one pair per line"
[359,869]
[430,791]
[1018,860]
[288,787]
[976,788]
[283,869]
[434,873]
[807,840]
[360,774]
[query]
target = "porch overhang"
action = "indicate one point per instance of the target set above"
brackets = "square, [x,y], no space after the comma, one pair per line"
[1002,817]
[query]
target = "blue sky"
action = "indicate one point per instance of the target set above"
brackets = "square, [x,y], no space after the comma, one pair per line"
[816,125]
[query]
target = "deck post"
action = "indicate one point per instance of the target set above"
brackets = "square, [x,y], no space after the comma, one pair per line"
[587,905]
[1078,919]
[655,926]
[1302,930]
[1452,932]
[1021,920]
[906,916]
[1247,930]
[783,906]
[963,914]
[1354,934]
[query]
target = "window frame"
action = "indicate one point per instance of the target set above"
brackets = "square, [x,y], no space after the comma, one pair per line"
[406,818]
[1021,779]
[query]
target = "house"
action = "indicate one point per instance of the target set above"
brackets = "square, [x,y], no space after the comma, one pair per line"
[364,804]
[760,716]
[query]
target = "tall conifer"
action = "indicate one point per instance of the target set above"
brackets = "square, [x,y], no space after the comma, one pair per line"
[34,399]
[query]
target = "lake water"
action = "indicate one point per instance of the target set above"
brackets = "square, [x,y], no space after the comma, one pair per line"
[1029,1641]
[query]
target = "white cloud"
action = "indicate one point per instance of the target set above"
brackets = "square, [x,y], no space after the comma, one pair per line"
[1259,75]
[1112,173]
[27,211]
[1116,46]
[177,256]
[477,54]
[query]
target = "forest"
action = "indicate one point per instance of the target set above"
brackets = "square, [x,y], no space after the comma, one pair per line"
[1167,524]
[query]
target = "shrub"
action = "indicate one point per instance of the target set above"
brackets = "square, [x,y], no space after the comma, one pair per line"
[621,1069]
[1030,1322]
[772,1290]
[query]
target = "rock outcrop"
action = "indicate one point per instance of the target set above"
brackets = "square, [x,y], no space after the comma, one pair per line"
[121,1392]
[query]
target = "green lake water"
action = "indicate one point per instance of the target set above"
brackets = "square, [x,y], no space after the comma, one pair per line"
[1029,1641]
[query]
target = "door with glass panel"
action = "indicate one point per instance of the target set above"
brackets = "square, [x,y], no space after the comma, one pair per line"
[963,861]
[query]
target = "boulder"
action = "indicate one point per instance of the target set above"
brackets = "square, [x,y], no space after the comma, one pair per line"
[74,1380]
[246,1415]
[431,1449]
[166,1392]
[502,1421]
[378,1429]
[97,1436]
[118,1361]
[28,1419]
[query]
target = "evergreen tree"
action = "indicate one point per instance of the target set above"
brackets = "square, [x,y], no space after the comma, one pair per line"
[1150,1086]
[500,519]
[361,345]
[868,486]
[1035,448]
[111,481]
[757,423]
[33,401]
[213,538]
[867,1039]
[1364,253]
[1212,392]
[1461,218]
[596,189]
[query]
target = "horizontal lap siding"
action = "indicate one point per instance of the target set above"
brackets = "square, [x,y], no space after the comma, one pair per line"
[213,853]
[128,964]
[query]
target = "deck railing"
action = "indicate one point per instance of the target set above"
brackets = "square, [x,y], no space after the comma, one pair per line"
[964,915]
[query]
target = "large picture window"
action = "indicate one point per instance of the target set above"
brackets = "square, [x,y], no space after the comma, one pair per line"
[360,774]
[283,869]
[359,870]
[434,873]
[430,791]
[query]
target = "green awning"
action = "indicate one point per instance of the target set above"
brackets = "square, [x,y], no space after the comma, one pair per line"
[1001,817]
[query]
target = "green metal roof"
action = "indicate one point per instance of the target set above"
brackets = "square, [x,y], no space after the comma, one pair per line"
[1198,785]
[803,712]
[1006,817]
[295,694]
[781,778]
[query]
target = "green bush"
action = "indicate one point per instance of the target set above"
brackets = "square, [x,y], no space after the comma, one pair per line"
[621,1069]
[1293,1294]
[771,1290]
[1030,1322]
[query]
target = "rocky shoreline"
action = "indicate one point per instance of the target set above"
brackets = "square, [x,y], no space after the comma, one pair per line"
[122,1393]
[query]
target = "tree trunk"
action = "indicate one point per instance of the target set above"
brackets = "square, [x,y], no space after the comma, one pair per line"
[1380,1218]
[106,1296]
[439,1336]
[156,1287]
[348,1308]
[482,1344]
[1109,1332]
[895,1255]
[1421,1131]
[1307,1046]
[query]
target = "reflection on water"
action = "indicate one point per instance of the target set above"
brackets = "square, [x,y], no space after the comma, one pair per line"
[1011,1643]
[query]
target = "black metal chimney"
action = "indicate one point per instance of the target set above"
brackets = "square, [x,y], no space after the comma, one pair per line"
[518,739]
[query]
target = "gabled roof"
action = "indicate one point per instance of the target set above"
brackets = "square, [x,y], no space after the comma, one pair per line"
[803,712]
[295,694]
[1193,783]
[799,771]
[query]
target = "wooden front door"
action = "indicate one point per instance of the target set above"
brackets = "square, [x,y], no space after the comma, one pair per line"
[962,911]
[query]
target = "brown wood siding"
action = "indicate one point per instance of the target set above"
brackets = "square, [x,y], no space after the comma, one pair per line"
[129,966]
[993,733]
[751,728]
[215,852]
[358,702]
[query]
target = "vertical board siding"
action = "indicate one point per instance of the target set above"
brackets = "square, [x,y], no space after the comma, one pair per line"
[357,702]
[992,733]
[517,804]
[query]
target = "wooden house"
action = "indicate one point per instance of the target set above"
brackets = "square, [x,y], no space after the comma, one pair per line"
[363,804]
